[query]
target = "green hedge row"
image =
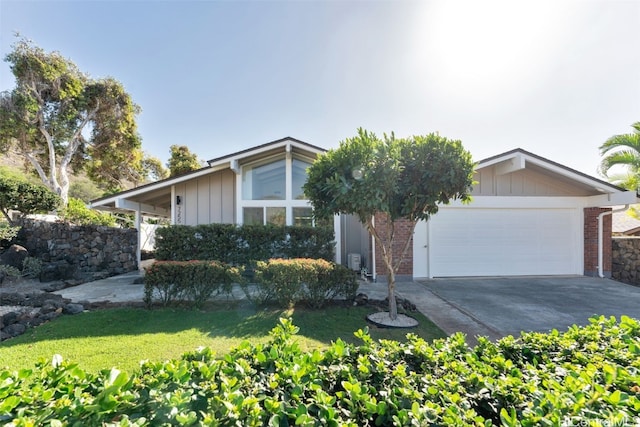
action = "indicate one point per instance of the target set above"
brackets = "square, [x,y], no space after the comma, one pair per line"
[242,245]
[288,281]
[188,281]
[282,282]
[585,376]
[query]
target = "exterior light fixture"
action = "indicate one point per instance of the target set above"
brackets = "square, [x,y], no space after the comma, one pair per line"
[178,200]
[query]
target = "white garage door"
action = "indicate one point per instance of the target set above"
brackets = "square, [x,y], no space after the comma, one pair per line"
[503,242]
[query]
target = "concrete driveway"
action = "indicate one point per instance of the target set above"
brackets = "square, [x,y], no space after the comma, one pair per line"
[501,306]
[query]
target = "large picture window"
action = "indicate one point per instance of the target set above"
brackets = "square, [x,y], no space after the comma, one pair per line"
[272,191]
[264,181]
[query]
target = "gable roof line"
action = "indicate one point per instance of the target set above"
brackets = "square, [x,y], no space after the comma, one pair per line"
[494,159]
[212,166]
[258,148]
[159,184]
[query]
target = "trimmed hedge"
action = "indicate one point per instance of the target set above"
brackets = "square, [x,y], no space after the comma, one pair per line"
[314,281]
[242,245]
[585,376]
[191,281]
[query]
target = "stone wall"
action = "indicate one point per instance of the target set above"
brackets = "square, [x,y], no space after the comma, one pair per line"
[79,252]
[626,259]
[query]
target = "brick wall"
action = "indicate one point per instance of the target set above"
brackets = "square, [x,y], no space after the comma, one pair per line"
[403,231]
[591,242]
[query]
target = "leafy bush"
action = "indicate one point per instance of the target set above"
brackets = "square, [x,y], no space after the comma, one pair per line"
[315,281]
[7,234]
[25,197]
[10,271]
[31,267]
[77,212]
[193,281]
[585,376]
[242,245]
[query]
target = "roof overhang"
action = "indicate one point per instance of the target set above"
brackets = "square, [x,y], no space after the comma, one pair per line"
[602,193]
[154,199]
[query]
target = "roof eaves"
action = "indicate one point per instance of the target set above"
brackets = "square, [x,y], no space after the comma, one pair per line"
[494,159]
[156,184]
[261,147]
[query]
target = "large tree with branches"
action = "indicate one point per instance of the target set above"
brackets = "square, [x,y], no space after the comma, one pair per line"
[407,178]
[60,120]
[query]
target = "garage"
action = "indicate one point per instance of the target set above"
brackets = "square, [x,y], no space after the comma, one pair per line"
[513,242]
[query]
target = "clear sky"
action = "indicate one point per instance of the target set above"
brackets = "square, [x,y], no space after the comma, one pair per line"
[556,78]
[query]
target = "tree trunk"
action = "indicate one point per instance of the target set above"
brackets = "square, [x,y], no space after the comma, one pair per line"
[387,256]
[391,281]
[63,186]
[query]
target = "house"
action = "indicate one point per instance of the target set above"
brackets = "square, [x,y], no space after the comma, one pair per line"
[529,215]
[624,224]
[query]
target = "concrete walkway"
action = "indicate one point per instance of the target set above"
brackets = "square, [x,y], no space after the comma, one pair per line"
[492,307]
[121,289]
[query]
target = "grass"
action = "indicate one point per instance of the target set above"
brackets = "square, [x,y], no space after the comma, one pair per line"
[123,337]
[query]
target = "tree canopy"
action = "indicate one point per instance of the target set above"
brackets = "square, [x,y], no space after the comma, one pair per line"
[25,198]
[622,150]
[400,178]
[152,168]
[59,120]
[182,160]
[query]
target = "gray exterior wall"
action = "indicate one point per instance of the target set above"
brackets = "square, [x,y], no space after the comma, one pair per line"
[525,182]
[355,239]
[208,199]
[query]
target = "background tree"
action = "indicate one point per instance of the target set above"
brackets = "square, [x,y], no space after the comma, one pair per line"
[59,119]
[153,169]
[26,198]
[620,162]
[624,151]
[182,160]
[398,178]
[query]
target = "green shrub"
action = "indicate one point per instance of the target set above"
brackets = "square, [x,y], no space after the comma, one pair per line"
[585,376]
[31,267]
[288,281]
[25,197]
[242,245]
[192,281]
[77,212]
[7,234]
[10,271]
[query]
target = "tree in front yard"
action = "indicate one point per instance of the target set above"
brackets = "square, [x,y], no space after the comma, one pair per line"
[399,178]
[25,198]
[59,120]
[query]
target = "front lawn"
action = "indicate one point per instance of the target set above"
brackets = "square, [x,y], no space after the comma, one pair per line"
[123,337]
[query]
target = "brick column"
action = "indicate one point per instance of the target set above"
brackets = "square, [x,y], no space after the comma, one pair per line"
[403,231]
[591,242]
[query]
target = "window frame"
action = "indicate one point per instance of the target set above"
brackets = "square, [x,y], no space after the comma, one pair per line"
[288,202]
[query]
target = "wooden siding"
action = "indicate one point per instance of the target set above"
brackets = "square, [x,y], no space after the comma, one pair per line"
[207,199]
[525,182]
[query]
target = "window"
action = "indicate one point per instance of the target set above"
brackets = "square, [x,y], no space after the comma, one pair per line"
[302,216]
[276,216]
[265,181]
[253,216]
[271,191]
[298,178]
